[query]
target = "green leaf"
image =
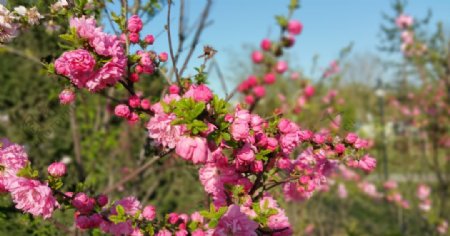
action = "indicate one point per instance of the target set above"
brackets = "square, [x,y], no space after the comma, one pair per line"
[120,210]
[28,172]
[282,21]
[213,223]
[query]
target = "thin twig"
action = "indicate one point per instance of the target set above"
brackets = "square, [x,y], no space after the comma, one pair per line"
[134,173]
[174,64]
[221,77]
[110,21]
[199,31]
[22,54]
[181,35]
[165,76]
[76,143]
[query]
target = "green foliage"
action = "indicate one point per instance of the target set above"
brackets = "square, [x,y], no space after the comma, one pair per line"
[214,215]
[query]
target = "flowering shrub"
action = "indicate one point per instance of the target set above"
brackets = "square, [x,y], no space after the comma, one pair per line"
[241,157]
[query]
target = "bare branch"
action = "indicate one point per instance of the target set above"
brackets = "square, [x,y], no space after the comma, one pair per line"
[181,35]
[134,173]
[197,35]
[174,64]
[22,54]
[76,143]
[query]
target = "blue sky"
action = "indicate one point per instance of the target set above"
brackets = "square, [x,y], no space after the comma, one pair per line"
[329,25]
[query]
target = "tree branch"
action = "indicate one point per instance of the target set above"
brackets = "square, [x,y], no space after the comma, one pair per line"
[199,31]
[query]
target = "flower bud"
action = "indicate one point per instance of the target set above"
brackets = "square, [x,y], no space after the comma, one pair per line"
[57,169]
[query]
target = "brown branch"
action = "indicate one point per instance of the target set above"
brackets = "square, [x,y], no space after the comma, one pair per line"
[181,35]
[220,75]
[197,35]
[136,7]
[76,143]
[22,54]
[134,173]
[174,64]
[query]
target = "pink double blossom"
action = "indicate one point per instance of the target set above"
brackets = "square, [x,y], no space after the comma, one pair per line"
[32,196]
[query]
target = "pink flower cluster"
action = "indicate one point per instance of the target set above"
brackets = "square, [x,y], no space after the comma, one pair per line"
[29,195]
[254,87]
[332,69]
[423,194]
[80,65]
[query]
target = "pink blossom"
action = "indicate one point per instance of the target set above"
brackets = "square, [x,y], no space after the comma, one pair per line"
[150,39]
[295,27]
[257,57]
[130,204]
[423,191]
[269,78]
[246,153]
[181,232]
[319,138]
[102,200]
[289,142]
[85,27]
[366,163]
[122,110]
[339,148]
[164,232]
[174,89]
[266,44]
[145,104]
[425,205]
[309,91]
[194,149]
[149,212]
[173,218]
[407,37]
[122,228]
[390,184]
[134,24]
[442,227]
[32,196]
[252,80]
[370,189]
[351,138]
[200,93]
[88,222]
[66,96]
[134,101]
[137,232]
[133,118]
[286,126]
[249,99]
[133,37]
[197,217]
[342,191]
[107,75]
[236,223]
[278,222]
[259,91]
[213,177]
[163,56]
[12,158]
[281,67]
[284,163]
[361,143]
[57,169]
[83,203]
[272,143]
[404,21]
[240,130]
[162,131]
[77,65]
[305,134]
[198,232]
